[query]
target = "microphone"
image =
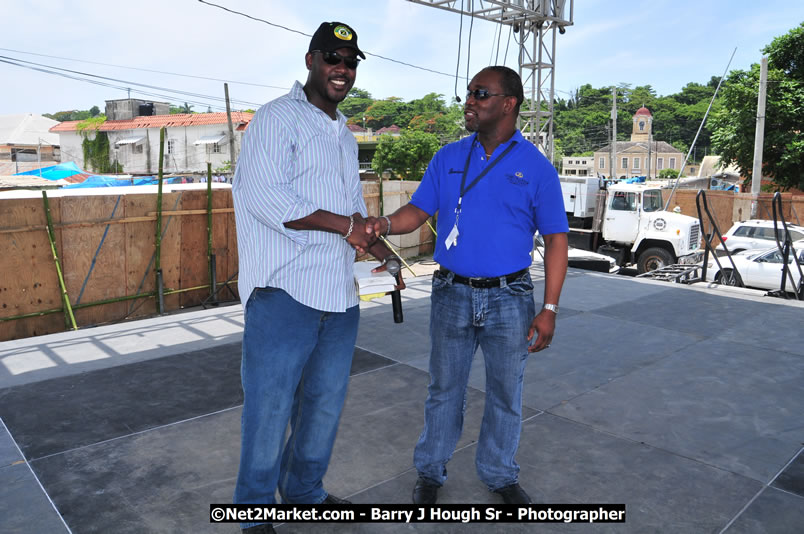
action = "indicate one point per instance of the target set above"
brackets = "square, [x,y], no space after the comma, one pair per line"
[393,266]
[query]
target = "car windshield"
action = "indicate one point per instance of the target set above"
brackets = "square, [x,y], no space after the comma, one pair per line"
[652,200]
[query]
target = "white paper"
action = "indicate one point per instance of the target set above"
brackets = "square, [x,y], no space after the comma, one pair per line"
[368,282]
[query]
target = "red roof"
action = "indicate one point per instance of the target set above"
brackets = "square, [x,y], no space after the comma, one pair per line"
[389,129]
[239,118]
[355,128]
[643,111]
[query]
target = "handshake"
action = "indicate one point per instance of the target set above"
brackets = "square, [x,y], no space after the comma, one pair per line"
[365,232]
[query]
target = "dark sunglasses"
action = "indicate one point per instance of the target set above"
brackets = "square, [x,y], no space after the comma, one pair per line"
[482,94]
[334,58]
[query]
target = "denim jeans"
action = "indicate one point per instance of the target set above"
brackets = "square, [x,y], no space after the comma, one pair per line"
[295,370]
[461,319]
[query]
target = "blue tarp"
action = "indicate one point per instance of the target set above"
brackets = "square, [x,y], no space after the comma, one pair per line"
[111,181]
[56,172]
[65,170]
[636,180]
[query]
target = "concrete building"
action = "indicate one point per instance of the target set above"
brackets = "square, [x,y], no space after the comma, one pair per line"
[128,108]
[641,156]
[191,140]
[578,166]
[26,138]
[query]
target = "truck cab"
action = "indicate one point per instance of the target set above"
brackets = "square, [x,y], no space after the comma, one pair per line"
[634,220]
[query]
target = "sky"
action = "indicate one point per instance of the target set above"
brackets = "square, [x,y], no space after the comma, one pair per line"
[662,43]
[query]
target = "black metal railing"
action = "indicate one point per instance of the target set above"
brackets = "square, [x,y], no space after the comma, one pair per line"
[785,248]
[727,277]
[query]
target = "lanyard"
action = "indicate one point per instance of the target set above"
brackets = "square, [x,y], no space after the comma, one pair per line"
[474,182]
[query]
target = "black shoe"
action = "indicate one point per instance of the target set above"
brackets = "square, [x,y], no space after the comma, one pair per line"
[514,494]
[425,492]
[265,528]
[331,499]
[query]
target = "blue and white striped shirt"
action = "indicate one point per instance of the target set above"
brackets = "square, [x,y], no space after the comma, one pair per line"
[293,163]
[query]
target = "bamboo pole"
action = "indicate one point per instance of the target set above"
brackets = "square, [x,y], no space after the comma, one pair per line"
[68,311]
[158,236]
[210,258]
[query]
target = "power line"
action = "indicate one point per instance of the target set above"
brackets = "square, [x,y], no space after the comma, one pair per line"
[95,82]
[158,88]
[76,75]
[310,35]
[145,70]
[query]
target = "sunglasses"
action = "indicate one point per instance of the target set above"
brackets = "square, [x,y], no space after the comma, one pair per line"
[334,58]
[482,94]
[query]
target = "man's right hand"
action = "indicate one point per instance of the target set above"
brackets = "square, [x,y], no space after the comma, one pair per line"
[377,226]
[361,239]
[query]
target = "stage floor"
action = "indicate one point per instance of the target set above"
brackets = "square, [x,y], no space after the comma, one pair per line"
[684,404]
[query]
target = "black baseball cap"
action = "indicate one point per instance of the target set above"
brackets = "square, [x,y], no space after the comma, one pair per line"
[331,36]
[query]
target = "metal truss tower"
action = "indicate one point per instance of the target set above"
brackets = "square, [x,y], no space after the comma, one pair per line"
[535,23]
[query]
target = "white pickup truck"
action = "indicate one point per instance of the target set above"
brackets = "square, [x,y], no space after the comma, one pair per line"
[628,222]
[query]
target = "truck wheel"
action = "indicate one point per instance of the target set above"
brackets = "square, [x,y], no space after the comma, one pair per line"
[652,259]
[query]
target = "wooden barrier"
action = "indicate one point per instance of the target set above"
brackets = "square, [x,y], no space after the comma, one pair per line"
[106,245]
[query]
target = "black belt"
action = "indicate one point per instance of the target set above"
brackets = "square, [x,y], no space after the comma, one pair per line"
[482,283]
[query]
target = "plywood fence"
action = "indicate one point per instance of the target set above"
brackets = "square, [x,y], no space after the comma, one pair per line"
[728,208]
[106,245]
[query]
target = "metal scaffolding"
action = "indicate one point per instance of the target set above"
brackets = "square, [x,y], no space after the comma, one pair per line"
[535,23]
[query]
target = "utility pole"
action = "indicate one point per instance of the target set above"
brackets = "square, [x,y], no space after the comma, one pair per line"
[759,137]
[232,155]
[650,146]
[613,164]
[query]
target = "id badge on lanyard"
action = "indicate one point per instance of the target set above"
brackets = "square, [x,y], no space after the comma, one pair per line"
[452,237]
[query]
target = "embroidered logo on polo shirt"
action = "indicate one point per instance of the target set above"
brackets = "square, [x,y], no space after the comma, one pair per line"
[517,178]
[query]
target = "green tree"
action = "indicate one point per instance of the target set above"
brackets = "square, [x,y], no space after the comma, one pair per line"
[355,104]
[383,113]
[186,108]
[734,122]
[72,115]
[665,174]
[407,155]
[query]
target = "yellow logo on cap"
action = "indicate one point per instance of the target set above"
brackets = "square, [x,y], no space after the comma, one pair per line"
[343,33]
[519,175]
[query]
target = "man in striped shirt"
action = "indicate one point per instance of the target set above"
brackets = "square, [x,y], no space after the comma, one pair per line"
[300,214]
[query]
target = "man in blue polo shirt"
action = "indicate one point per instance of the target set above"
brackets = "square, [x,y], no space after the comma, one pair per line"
[492,190]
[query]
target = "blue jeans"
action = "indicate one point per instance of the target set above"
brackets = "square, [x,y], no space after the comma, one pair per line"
[461,319]
[295,370]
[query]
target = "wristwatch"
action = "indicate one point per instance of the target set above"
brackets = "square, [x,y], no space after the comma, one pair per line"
[552,307]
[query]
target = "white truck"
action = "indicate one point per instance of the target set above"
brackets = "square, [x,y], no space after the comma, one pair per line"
[628,223]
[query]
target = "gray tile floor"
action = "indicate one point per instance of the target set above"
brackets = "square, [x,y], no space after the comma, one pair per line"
[684,404]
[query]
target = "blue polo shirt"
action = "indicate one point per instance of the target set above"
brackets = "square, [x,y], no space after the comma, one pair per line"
[500,214]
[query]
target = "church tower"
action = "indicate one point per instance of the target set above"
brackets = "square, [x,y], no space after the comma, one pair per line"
[643,123]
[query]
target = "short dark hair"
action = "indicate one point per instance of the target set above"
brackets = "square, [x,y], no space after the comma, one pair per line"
[510,81]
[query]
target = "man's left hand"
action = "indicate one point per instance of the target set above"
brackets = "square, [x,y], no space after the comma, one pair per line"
[544,325]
